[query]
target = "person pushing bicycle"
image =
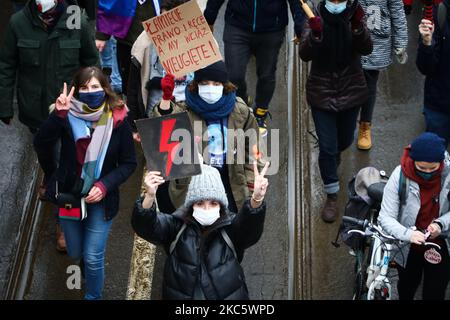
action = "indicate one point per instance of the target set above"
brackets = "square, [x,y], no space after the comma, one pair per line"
[415,209]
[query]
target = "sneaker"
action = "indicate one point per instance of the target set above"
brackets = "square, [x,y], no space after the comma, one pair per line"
[364,136]
[330,210]
[262,116]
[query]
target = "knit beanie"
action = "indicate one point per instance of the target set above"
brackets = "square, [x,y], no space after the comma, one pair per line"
[206,186]
[214,72]
[428,147]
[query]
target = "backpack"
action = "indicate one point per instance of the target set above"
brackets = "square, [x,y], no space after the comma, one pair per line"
[222,232]
[357,208]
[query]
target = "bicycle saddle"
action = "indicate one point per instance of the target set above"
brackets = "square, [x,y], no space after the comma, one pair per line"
[376,190]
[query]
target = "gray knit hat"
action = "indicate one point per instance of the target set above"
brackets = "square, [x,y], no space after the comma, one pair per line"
[206,186]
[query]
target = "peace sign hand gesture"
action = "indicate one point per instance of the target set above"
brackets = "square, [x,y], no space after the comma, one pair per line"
[260,185]
[63,101]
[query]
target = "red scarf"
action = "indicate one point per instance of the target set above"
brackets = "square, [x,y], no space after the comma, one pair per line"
[429,191]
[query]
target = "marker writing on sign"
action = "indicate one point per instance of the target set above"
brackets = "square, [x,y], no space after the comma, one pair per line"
[164,145]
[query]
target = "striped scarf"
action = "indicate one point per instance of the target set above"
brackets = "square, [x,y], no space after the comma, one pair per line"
[81,118]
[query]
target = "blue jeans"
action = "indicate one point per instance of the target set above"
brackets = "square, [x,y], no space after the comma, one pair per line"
[109,60]
[87,240]
[438,123]
[335,131]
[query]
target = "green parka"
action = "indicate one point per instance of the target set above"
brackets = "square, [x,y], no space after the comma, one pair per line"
[42,62]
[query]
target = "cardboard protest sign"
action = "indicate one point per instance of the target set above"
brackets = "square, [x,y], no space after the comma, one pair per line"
[169,147]
[183,39]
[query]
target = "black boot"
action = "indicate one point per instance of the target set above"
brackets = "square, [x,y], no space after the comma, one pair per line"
[330,210]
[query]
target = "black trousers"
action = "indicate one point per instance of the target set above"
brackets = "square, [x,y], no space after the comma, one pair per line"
[124,63]
[240,45]
[436,276]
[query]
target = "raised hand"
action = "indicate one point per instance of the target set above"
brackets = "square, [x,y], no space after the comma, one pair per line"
[152,181]
[260,185]
[315,23]
[426,29]
[167,86]
[63,101]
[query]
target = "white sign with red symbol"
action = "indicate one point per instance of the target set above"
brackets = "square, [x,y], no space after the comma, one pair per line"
[432,256]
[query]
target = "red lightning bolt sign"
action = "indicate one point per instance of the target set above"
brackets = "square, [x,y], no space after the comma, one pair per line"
[164,145]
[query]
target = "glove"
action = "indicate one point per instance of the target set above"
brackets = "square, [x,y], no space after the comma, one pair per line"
[357,19]
[167,86]
[408,9]
[6,121]
[315,23]
[154,84]
[401,55]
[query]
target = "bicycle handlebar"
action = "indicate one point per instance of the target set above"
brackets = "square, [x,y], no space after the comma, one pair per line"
[361,223]
[365,224]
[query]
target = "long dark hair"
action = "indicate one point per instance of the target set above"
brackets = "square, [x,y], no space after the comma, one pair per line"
[84,75]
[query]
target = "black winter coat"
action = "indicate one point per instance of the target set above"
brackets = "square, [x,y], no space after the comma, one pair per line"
[40,62]
[201,258]
[257,15]
[341,90]
[119,164]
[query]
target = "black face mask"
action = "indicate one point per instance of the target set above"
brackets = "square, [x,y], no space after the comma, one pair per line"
[426,175]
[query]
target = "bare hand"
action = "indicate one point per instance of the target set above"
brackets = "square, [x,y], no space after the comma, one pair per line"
[137,137]
[95,195]
[417,237]
[426,29]
[434,230]
[63,101]
[100,44]
[261,183]
[152,180]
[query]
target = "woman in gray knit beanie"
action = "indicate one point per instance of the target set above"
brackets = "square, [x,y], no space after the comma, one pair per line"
[204,242]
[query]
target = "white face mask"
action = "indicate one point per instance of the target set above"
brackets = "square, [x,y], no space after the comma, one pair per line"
[206,217]
[45,5]
[211,94]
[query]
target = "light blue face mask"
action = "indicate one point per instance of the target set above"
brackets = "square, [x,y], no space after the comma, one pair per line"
[335,8]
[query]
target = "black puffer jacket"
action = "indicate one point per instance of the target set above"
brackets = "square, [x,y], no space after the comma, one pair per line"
[201,258]
[340,90]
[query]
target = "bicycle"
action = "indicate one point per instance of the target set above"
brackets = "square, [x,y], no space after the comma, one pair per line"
[374,279]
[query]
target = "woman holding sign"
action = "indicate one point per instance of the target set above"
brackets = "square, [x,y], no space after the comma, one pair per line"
[204,242]
[212,104]
[97,156]
[334,41]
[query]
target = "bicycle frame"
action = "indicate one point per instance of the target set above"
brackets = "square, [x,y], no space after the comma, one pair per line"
[377,279]
[378,283]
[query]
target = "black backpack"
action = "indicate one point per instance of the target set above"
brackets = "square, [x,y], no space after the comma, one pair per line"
[357,208]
